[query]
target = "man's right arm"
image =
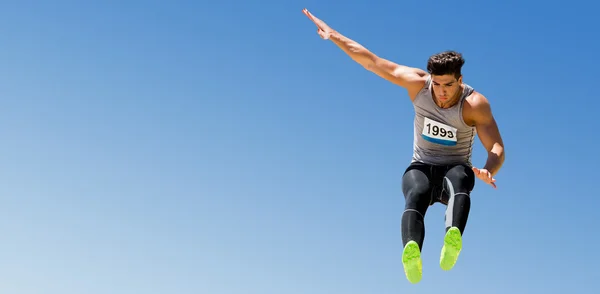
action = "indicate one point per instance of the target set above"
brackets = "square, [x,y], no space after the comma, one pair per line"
[410,78]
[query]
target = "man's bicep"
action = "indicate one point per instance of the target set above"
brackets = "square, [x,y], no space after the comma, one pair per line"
[414,70]
[401,75]
[489,135]
[487,128]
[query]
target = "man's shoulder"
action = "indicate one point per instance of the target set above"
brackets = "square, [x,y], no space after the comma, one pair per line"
[419,86]
[476,107]
[476,100]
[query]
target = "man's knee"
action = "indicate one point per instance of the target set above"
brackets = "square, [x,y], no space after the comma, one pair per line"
[415,190]
[419,201]
[461,178]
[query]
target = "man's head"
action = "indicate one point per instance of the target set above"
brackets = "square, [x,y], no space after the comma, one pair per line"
[445,69]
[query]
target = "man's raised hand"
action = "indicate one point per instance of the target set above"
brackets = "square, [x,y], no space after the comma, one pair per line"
[322,28]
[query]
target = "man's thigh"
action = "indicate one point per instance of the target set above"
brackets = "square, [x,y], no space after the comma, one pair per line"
[416,185]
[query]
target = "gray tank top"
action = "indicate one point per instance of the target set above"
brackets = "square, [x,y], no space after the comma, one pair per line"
[441,136]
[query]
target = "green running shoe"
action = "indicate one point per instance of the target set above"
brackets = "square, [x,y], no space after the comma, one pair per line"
[411,259]
[451,249]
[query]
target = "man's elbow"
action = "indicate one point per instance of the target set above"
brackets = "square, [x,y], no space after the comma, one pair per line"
[498,152]
[502,157]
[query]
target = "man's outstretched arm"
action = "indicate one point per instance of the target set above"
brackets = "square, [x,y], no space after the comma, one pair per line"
[488,133]
[401,75]
[410,78]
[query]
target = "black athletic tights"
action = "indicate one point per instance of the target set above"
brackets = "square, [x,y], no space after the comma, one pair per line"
[423,185]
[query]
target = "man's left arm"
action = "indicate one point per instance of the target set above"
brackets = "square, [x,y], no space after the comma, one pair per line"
[488,133]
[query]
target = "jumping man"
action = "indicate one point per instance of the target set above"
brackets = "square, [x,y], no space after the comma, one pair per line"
[448,114]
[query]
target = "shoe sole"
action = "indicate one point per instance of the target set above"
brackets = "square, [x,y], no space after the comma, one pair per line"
[451,249]
[411,259]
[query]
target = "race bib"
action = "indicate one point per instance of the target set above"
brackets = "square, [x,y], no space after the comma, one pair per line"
[438,133]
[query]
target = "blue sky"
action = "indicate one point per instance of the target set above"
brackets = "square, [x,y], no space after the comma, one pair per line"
[197,147]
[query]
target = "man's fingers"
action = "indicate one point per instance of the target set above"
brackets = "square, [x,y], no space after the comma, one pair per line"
[305,11]
[309,15]
[319,23]
[485,176]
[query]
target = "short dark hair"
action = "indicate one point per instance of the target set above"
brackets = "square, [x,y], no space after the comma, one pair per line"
[444,63]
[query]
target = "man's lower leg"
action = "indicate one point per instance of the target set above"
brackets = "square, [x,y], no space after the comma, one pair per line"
[417,193]
[456,221]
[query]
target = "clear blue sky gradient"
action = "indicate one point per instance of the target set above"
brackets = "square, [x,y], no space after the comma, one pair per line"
[224,148]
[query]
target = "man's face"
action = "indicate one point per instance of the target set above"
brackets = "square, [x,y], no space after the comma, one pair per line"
[445,87]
